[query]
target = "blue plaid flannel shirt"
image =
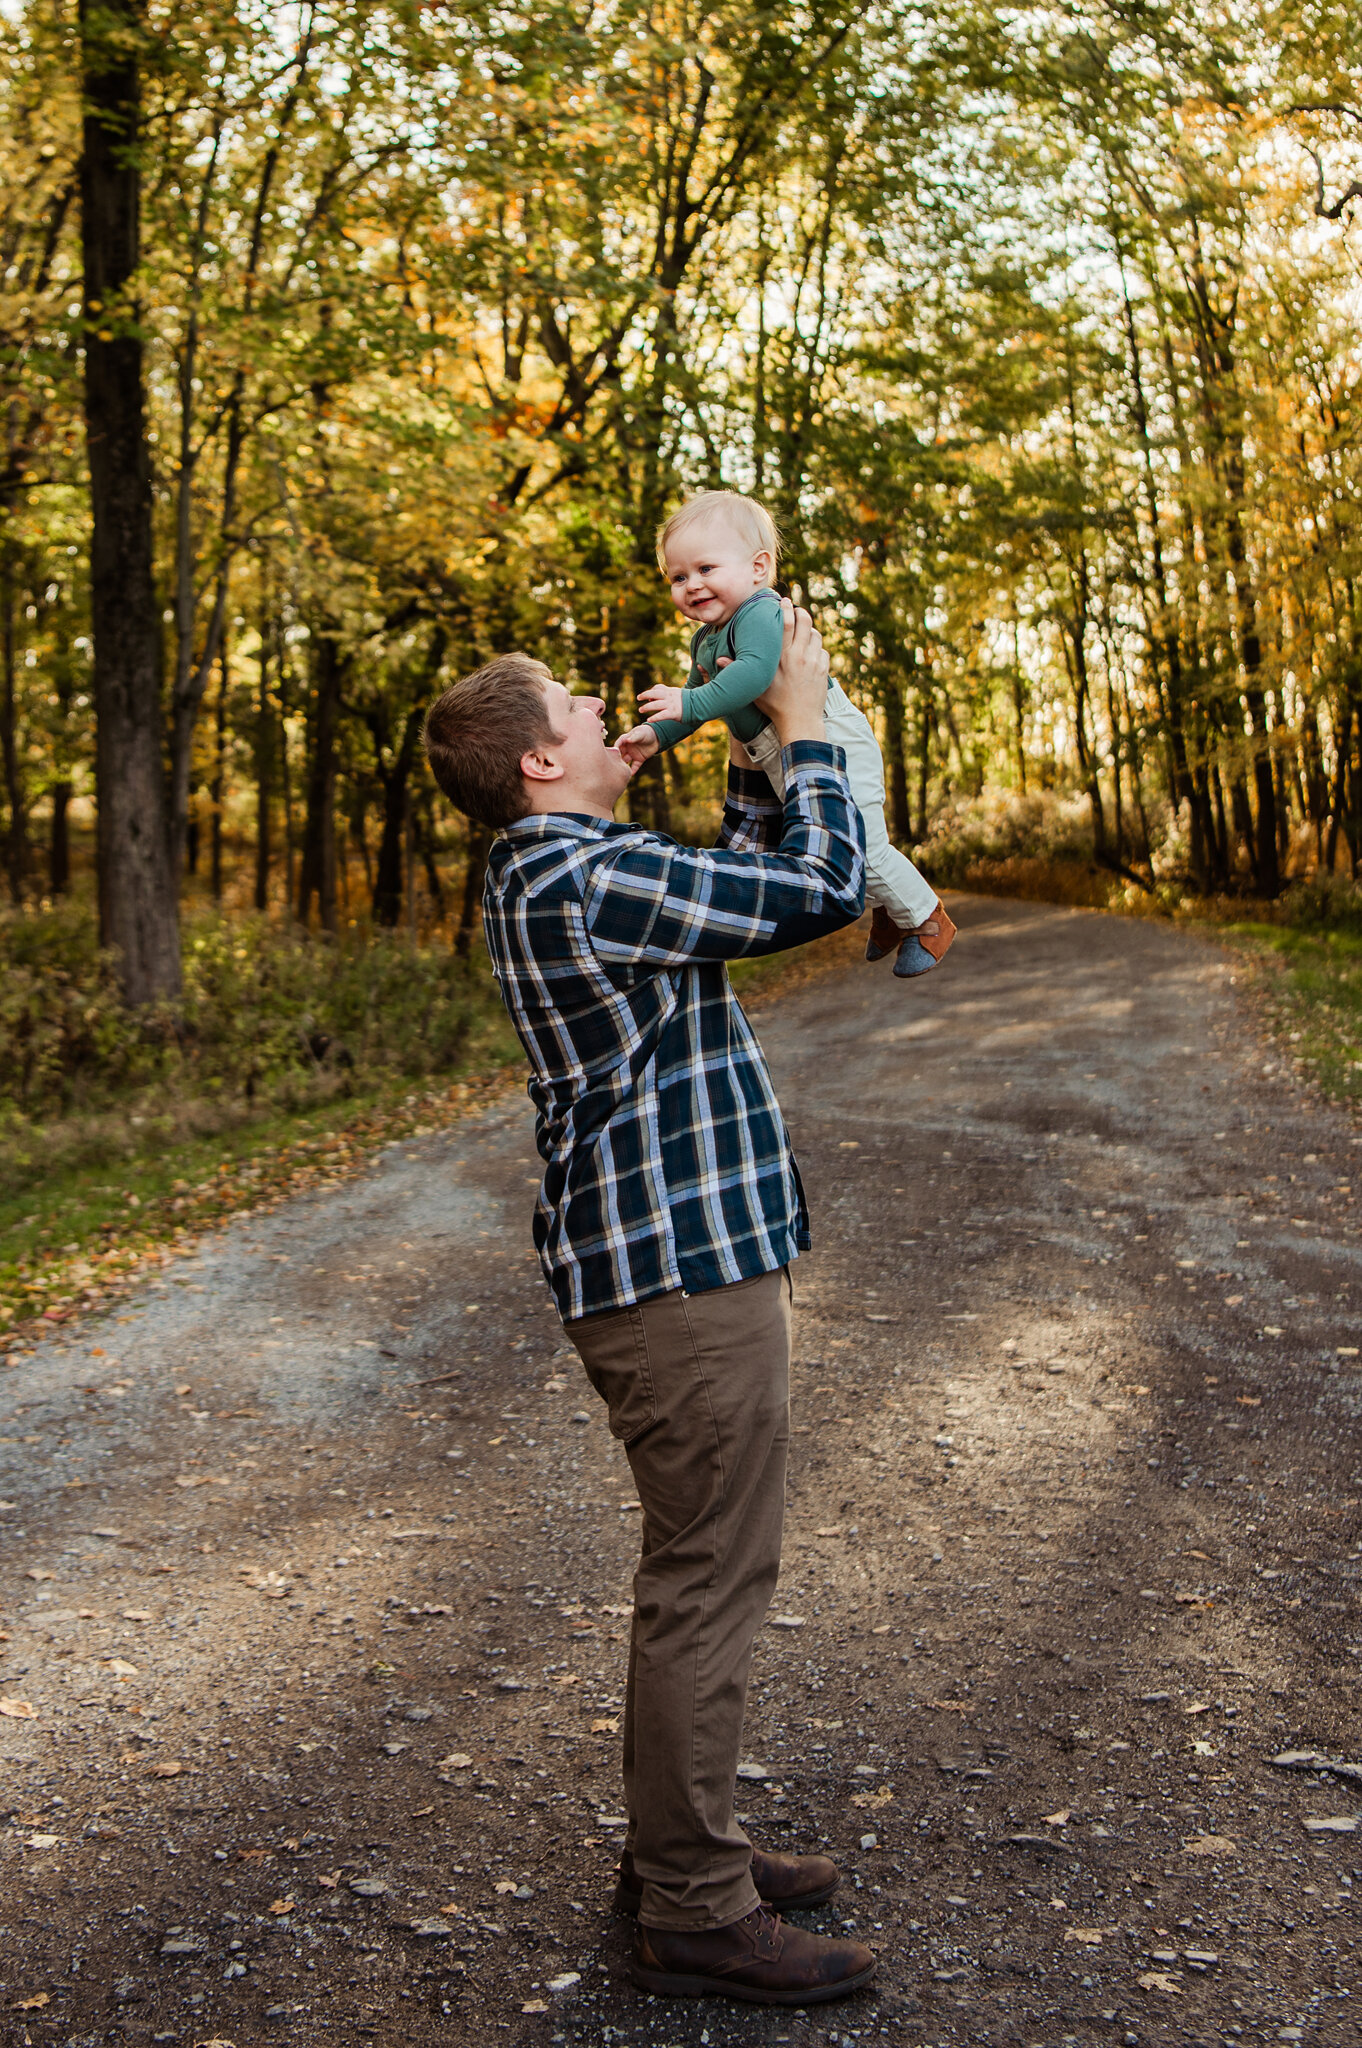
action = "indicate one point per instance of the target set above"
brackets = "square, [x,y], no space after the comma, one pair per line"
[667,1161]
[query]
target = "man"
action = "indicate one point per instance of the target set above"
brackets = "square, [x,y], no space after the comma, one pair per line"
[670,1210]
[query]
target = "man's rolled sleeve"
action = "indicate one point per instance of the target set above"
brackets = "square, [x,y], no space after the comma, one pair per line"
[652,902]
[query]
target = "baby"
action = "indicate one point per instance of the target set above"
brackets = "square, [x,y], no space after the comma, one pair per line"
[719,553]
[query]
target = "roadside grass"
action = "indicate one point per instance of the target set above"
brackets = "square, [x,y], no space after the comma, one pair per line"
[1311,987]
[288,1060]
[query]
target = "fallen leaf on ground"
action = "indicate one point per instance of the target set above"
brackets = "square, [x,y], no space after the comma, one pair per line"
[278,1906]
[34,2004]
[42,1841]
[39,1573]
[1208,1845]
[881,1796]
[328,1884]
[135,1613]
[455,1761]
[1248,1400]
[119,1667]
[252,1855]
[1091,1937]
[534,2005]
[168,1769]
[503,1886]
[1158,1980]
[606,1724]
[18,1710]
[1198,1707]
[949,1706]
[1057,1820]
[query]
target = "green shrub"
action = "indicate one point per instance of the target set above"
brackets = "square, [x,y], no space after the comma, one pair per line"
[1323,904]
[266,1013]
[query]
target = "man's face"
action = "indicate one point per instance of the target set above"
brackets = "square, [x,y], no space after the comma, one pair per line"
[594,776]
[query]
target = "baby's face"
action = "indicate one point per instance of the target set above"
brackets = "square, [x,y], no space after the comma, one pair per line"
[710,571]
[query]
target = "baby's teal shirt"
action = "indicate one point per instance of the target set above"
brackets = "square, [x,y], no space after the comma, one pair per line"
[754,636]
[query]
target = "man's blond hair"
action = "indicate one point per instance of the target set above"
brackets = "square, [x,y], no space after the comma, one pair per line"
[751,522]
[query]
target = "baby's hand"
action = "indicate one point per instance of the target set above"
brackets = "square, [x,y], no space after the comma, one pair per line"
[661,702]
[637,745]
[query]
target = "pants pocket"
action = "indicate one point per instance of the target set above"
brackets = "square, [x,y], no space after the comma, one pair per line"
[614,1350]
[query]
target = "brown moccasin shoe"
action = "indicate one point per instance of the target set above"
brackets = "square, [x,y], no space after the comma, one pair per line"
[790,1883]
[885,935]
[938,933]
[757,1959]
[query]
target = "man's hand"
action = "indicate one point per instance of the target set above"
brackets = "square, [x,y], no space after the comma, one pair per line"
[662,701]
[797,698]
[637,745]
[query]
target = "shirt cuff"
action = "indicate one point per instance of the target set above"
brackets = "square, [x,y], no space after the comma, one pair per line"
[812,754]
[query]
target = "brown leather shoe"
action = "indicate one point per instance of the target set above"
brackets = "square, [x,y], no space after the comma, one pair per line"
[884,935]
[937,934]
[926,946]
[758,1959]
[793,1883]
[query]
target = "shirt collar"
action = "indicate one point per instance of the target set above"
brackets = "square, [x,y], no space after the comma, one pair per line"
[559,825]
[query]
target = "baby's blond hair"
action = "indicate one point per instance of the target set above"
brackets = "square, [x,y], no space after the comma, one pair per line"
[750,521]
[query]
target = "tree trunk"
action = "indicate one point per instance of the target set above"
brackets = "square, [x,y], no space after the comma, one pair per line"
[479,846]
[425,836]
[59,844]
[17,832]
[219,774]
[264,760]
[138,907]
[317,880]
[387,903]
[900,816]
[924,749]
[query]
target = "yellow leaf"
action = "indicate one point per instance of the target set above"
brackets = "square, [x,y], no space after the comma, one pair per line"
[1060,1819]
[36,2003]
[606,1724]
[18,1710]
[281,1906]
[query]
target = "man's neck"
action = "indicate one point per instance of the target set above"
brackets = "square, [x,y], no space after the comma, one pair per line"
[567,804]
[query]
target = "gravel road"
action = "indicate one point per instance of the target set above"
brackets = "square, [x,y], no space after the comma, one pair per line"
[315,1564]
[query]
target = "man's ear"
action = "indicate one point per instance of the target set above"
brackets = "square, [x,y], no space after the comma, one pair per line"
[537,766]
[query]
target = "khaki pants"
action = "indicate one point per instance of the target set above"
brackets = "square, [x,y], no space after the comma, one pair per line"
[698,1389]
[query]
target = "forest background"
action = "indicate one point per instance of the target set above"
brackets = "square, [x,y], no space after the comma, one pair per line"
[344,346]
